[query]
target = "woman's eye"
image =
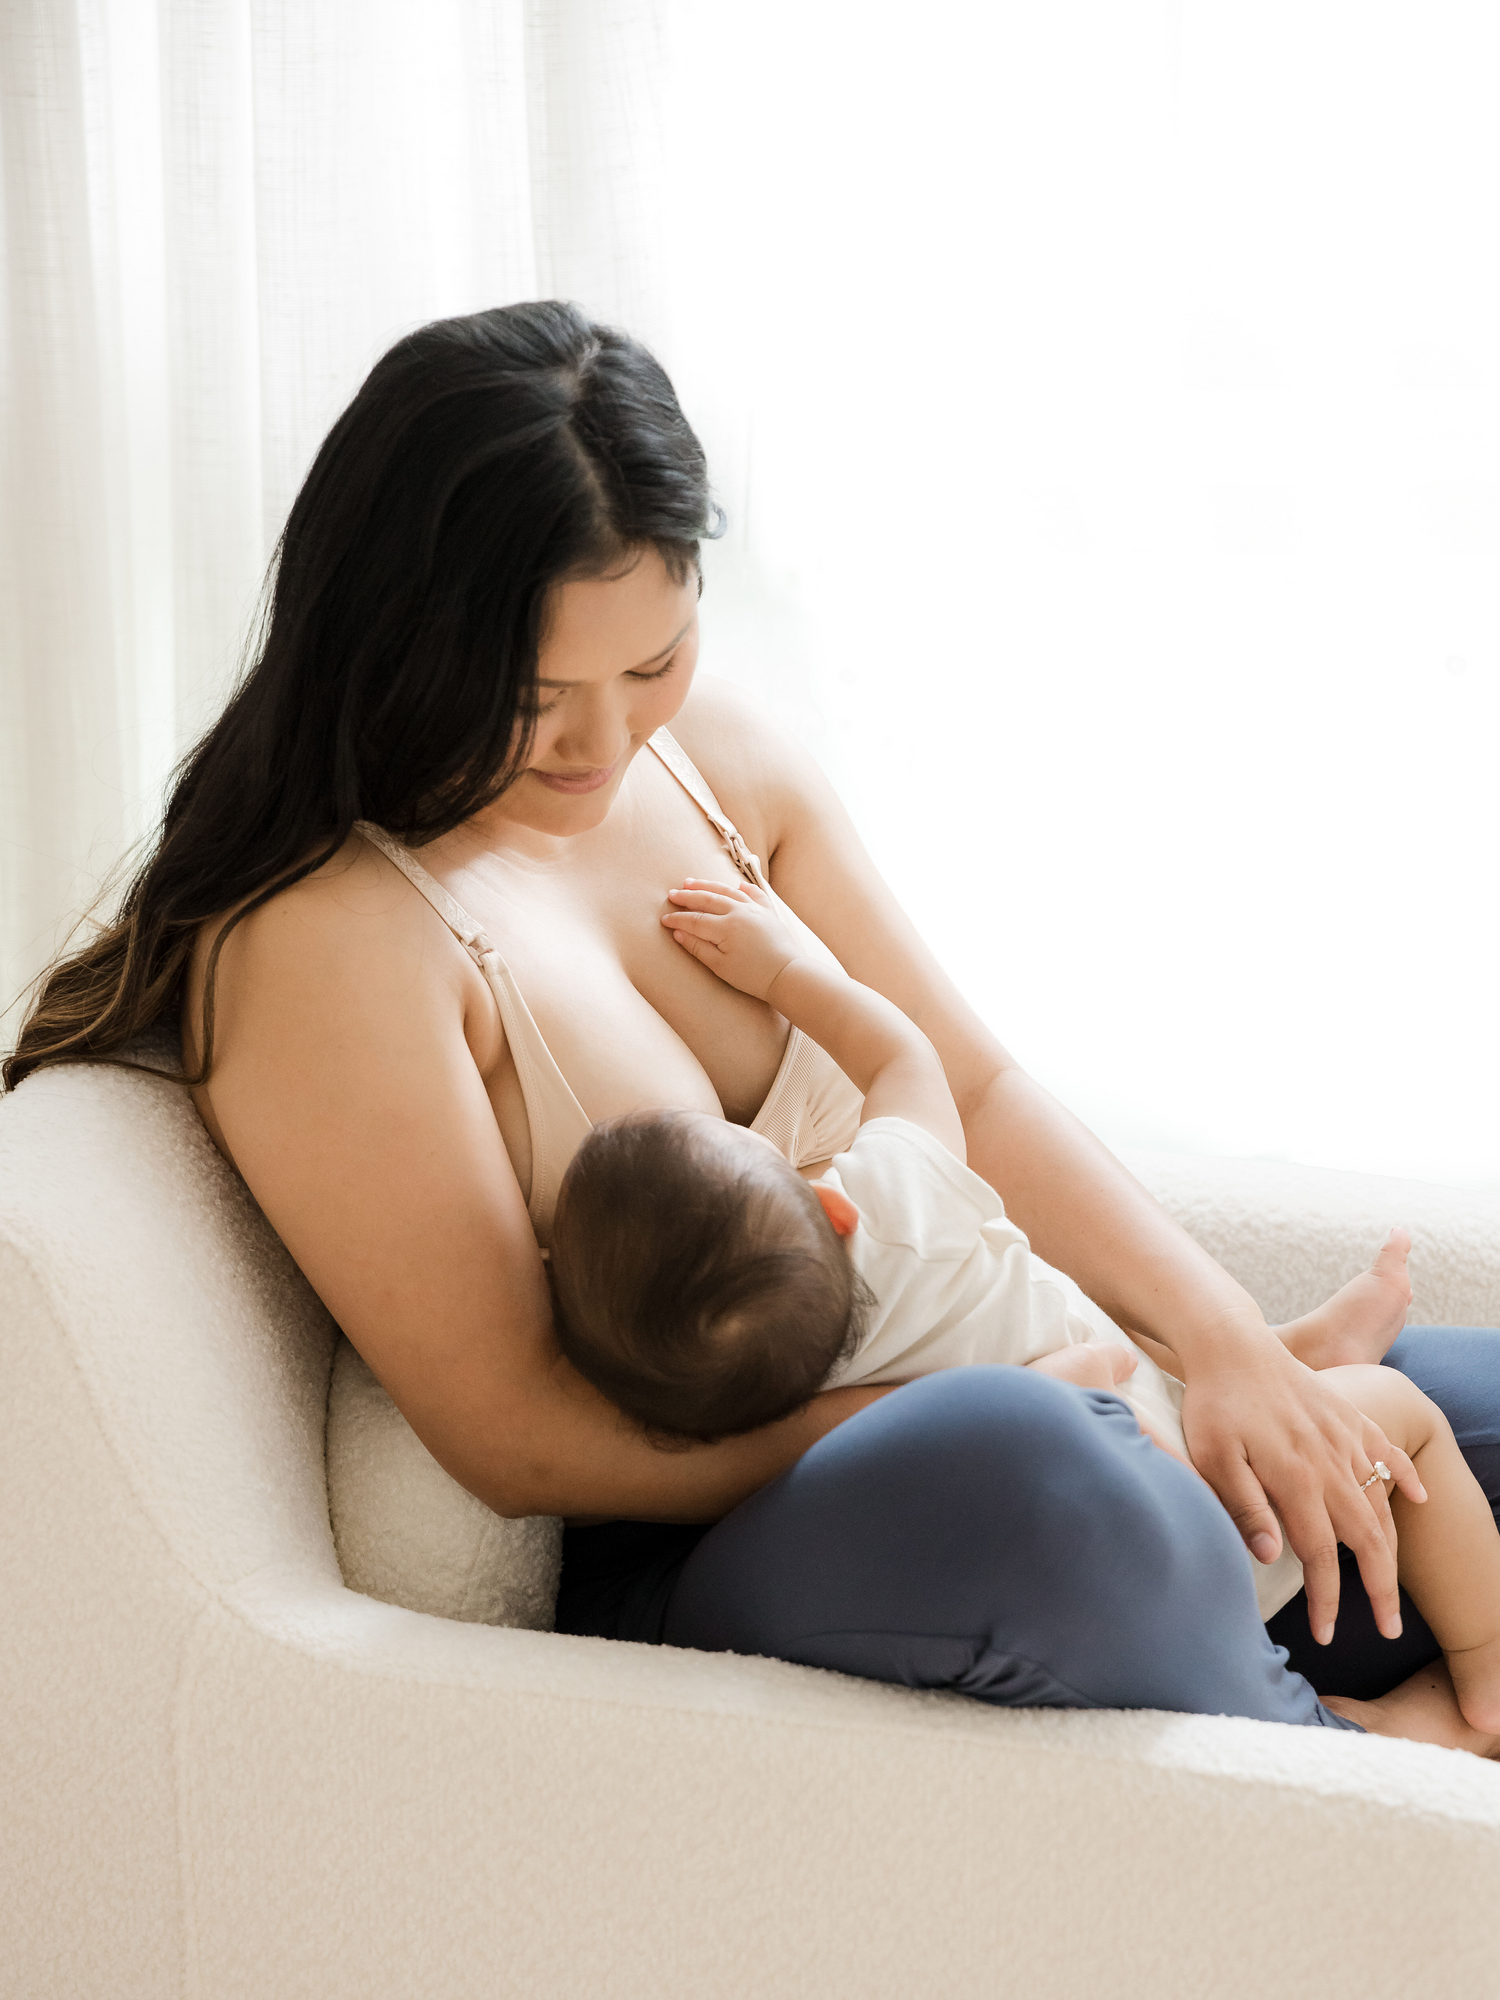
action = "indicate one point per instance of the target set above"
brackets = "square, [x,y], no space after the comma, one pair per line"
[537,709]
[657,673]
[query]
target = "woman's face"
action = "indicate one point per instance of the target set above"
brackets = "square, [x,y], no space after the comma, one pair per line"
[616,662]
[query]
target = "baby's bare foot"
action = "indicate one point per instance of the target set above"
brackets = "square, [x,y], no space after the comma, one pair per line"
[1422,1710]
[1359,1322]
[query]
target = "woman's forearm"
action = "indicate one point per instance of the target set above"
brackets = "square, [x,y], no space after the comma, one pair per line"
[1088,1216]
[557,1447]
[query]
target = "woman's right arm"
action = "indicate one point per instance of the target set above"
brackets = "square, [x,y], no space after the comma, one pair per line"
[346,1090]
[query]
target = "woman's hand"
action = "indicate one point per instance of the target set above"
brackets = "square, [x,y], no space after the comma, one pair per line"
[1267,1433]
[735,931]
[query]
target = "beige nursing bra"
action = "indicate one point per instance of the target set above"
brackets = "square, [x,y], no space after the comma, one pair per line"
[811,1111]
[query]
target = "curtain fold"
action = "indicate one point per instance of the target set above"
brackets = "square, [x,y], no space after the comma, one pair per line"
[215,217]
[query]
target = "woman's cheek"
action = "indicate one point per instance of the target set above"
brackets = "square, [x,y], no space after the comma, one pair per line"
[540,745]
[668,694]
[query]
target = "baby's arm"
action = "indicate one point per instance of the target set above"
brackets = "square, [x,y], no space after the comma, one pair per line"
[738,934]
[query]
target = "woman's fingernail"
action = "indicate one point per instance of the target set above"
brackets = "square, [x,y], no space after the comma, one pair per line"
[1263,1548]
[1323,1634]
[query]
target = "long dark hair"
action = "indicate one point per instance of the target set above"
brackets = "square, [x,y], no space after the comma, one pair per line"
[484,460]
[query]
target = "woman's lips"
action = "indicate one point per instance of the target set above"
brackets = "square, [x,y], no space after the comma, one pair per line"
[575,781]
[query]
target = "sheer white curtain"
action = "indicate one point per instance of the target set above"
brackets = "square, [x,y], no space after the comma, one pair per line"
[216,215]
[1105,397]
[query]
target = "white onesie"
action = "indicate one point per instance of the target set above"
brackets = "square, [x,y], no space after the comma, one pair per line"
[956,1282]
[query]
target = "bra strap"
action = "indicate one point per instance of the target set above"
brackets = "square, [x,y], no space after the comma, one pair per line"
[552,1111]
[692,781]
[453,914]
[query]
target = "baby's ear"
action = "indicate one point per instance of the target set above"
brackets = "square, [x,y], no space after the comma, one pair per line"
[837,1206]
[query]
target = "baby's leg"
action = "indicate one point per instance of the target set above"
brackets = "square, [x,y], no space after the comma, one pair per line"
[1449,1549]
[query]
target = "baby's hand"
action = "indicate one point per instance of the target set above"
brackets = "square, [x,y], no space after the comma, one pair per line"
[736,932]
[1092,1364]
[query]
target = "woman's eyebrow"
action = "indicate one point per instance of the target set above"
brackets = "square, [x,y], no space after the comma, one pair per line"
[671,643]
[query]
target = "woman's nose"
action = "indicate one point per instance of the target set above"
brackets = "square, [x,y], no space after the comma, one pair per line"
[594,735]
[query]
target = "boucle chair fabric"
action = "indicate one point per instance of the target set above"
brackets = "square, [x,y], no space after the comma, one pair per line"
[408,1533]
[226,1774]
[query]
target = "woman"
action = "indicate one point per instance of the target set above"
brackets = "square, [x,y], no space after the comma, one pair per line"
[484,618]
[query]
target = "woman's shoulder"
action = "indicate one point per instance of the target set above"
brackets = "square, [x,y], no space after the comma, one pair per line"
[355,899]
[352,939]
[755,767]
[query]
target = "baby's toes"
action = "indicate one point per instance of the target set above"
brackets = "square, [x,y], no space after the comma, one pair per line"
[1390,1263]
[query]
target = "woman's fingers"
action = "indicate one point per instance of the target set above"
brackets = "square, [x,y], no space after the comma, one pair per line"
[1377,1569]
[1320,1580]
[1315,1525]
[1376,1494]
[1261,1413]
[1403,1473]
[1244,1500]
[1361,1516]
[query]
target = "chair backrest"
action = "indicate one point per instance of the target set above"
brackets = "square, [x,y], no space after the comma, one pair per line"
[202,1350]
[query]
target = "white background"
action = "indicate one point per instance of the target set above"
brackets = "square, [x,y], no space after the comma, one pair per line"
[1107,403]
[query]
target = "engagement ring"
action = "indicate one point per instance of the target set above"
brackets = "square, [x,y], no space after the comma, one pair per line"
[1382,1472]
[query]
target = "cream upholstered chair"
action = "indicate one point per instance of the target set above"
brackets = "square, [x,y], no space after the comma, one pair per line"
[226,1774]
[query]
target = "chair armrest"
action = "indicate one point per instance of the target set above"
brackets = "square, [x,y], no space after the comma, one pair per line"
[411,1805]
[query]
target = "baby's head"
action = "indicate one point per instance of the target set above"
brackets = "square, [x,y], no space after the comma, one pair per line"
[700,1282]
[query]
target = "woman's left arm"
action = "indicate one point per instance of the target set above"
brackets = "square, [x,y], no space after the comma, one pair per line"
[1265,1432]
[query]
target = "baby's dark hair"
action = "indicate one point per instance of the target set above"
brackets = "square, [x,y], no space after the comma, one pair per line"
[703,1290]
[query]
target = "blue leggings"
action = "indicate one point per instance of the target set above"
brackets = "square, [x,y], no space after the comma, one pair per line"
[998,1532]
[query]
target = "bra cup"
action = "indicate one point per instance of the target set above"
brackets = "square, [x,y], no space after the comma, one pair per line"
[811,1111]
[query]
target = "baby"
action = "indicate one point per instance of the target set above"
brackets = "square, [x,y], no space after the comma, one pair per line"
[707,1288]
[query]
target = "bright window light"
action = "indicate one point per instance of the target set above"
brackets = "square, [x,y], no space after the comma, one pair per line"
[1106,399]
